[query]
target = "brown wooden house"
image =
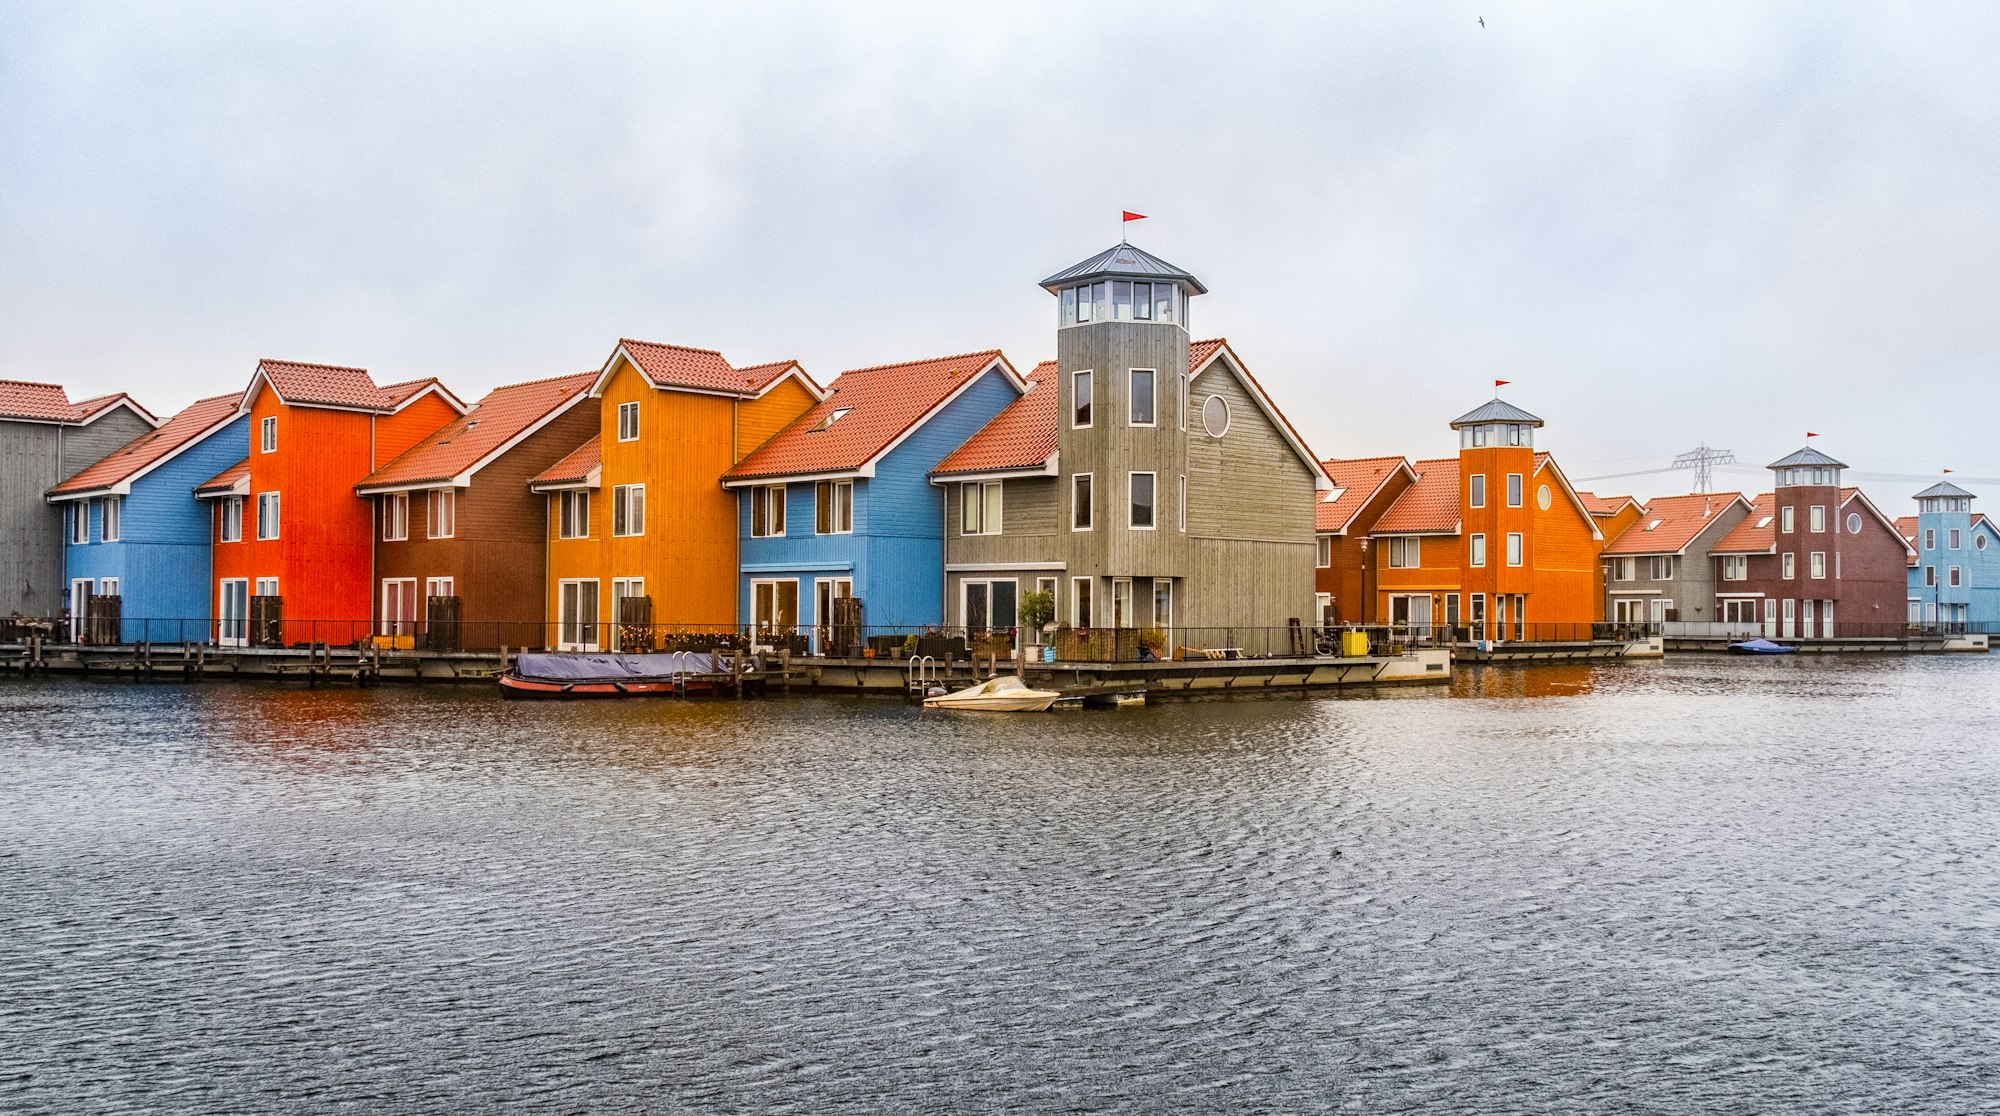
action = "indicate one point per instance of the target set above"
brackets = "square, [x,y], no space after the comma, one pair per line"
[459,554]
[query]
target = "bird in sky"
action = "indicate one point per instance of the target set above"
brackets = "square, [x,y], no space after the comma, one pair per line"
[1482,21]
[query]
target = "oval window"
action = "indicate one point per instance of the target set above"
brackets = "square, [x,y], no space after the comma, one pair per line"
[1215,416]
[1542,497]
[1853,523]
[1979,542]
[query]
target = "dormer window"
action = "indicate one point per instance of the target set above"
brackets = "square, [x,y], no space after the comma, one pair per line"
[832,417]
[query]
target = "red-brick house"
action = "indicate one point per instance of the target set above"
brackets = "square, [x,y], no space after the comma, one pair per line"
[1364,488]
[1813,560]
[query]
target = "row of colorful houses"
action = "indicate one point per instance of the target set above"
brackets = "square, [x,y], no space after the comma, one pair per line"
[1140,480]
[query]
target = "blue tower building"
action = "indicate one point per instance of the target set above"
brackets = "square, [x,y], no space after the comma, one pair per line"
[1955,582]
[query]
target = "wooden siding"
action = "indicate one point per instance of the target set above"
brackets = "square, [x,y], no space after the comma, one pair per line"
[1112,448]
[1030,518]
[1349,580]
[759,419]
[31,531]
[1567,585]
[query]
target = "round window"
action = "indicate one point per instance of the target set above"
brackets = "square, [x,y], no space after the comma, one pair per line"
[1979,542]
[1853,523]
[1215,416]
[1542,497]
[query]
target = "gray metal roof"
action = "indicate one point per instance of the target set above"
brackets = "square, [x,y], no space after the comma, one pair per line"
[1806,456]
[1944,489]
[1123,260]
[1494,410]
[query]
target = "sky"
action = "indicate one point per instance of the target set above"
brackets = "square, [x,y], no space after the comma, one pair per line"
[1667,224]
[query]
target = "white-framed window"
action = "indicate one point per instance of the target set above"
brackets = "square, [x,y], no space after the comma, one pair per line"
[623,591]
[1853,523]
[1513,490]
[1544,498]
[1661,567]
[1930,576]
[1624,569]
[399,607]
[1514,548]
[1323,552]
[1082,394]
[1184,400]
[767,511]
[111,510]
[1477,555]
[1079,602]
[576,614]
[440,587]
[1141,488]
[1142,405]
[1478,486]
[833,507]
[230,513]
[1215,416]
[1785,519]
[1930,538]
[1736,567]
[1816,563]
[1406,552]
[79,522]
[1121,603]
[774,604]
[628,422]
[267,515]
[1183,503]
[979,508]
[395,516]
[1951,537]
[1816,518]
[628,510]
[441,513]
[990,605]
[573,513]
[1788,565]
[232,616]
[267,586]
[1953,576]
[268,440]
[1082,502]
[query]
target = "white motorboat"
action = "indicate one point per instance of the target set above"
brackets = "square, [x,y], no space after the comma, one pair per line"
[1005,694]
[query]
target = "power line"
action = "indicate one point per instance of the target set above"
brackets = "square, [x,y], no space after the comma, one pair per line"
[1703,459]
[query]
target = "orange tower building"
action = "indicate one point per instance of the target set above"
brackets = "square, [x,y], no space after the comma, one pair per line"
[293,546]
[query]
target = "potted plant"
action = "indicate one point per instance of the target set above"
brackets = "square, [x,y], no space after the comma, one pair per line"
[1152,641]
[1038,610]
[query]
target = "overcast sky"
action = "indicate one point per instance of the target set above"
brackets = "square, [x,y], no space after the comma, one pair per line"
[1666,223]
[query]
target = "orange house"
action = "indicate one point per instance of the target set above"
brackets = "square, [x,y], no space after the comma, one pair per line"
[293,545]
[1492,544]
[1364,489]
[641,533]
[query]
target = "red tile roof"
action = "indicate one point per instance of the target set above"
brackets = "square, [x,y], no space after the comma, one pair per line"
[221,483]
[1357,478]
[1429,506]
[35,402]
[1757,534]
[757,377]
[465,442]
[868,410]
[574,468]
[1603,505]
[153,447]
[326,385]
[1020,437]
[1906,526]
[398,394]
[1670,523]
[1199,352]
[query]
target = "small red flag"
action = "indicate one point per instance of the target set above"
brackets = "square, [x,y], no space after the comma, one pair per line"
[1502,383]
[1947,470]
[1131,216]
[1812,433]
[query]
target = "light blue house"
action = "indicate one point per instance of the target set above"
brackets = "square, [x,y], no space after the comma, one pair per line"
[1956,578]
[136,539]
[840,504]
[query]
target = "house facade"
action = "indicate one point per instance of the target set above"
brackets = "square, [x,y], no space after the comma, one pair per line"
[46,439]
[1954,563]
[1493,544]
[1659,571]
[839,504]
[640,532]
[136,559]
[1147,481]
[1364,489]
[293,546]
[1812,559]
[459,559]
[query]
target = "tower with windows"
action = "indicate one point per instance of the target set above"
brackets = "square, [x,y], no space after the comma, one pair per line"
[1807,499]
[1949,546]
[1122,434]
[1496,479]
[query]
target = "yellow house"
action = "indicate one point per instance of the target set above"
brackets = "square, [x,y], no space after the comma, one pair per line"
[641,535]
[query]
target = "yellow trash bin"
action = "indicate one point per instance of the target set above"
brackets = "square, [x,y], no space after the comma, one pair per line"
[1354,645]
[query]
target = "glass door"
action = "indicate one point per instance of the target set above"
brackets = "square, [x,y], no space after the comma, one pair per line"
[233,620]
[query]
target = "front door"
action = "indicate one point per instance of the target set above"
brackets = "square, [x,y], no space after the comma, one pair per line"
[232,627]
[622,590]
[827,590]
[79,608]
[577,616]
[1476,619]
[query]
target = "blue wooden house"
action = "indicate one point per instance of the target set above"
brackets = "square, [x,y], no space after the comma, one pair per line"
[1955,576]
[136,541]
[839,503]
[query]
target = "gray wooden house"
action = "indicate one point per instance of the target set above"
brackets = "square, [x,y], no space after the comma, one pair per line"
[44,440]
[1144,479]
[1658,570]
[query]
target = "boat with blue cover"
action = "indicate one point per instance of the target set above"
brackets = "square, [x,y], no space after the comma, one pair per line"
[1760,647]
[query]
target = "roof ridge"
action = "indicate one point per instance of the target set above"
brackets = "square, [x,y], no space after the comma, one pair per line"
[671,345]
[315,364]
[36,383]
[919,360]
[543,380]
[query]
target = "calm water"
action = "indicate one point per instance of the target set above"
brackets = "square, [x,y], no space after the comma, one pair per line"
[1706,885]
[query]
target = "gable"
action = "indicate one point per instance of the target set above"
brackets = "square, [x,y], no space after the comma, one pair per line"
[1222,356]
